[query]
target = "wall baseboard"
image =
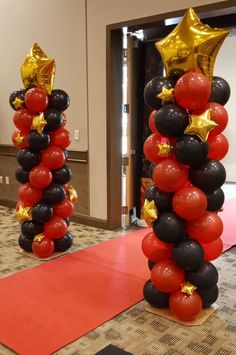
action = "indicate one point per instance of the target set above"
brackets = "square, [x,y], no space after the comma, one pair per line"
[78,218]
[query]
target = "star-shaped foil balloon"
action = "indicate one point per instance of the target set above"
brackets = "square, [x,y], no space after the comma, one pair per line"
[38,70]
[201,125]
[188,288]
[73,197]
[24,214]
[39,237]
[39,123]
[166,95]
[164,149]
[19,139]
[191,45]
[150,213]
[18,103]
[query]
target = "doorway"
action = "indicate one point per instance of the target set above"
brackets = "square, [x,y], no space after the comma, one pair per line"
[216,15]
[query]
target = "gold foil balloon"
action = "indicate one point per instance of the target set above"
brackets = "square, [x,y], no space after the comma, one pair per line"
[150,213]
[201,125]
[38,70]
[191,45]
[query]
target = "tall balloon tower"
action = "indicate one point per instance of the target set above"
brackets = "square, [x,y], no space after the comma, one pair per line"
[46,199]
[185,147]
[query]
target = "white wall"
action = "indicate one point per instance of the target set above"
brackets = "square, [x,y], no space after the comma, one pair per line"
[226,68]
[59,28]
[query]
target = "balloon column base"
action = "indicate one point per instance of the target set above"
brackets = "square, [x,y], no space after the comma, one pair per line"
[165,313]
[53,256]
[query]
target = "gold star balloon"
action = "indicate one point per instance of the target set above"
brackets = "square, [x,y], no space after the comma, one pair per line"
[39,123]
[149,212]
[38,70]
[164,149]
[201,125]
[191,45]
[188,288]
[73,197]
[24,214]
[19,139]
[18,103]
[39,237]
[166,95]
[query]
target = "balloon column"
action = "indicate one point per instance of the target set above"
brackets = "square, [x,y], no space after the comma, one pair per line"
[185,147]
[46,200]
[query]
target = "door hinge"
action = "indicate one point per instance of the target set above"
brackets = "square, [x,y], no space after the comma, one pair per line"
[126,108]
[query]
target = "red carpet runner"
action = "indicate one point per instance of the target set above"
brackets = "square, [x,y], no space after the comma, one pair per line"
[46,307]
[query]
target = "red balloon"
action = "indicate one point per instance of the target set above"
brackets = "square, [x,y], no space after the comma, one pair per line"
[53,157]
[60,138]
[23,119]
[151,121]
[207,228]
[151,149]
[218,114]
[154,249]
[212,250]
[40,177]
[64,209]
[167,276]
[29,195]
[36,100]
[169,175]
[185,307]
[20,139]
[43,248]
[55,228]
[192,90]
[189,202]
[218,147]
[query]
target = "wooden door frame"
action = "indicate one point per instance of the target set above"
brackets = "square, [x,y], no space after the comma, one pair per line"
[114,100]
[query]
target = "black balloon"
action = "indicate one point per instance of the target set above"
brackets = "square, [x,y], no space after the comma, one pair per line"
[54,119]
[151,264]
[175,74]
[66,154]
[188,254]
[42,212]
[171,120]
[190,150]
[208,176]
[54,194]
[169,228]
[215,200]
[62,175]
[151,168]
[25,243]
[64,243]
[163,200]
[38,141]
[28,158]
[30,229]
[208,295]
[153,88]
[220,90]
[22,175]
[59,100]
[67,221]
[20,93]
[155,297]
[204,277]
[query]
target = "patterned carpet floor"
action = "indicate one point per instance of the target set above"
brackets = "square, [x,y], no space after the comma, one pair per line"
[135,330]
